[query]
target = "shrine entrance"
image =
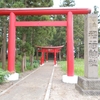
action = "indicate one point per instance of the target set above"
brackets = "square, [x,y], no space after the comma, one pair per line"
[13,12]
[48,49]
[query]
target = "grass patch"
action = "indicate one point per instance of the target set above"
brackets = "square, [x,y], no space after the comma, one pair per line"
[78,66]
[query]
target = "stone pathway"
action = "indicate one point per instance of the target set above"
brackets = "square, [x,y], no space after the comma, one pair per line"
[33,87]
[45,83]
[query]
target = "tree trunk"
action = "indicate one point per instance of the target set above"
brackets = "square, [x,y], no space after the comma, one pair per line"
[4,52]
[37,54]
[78,54]
[23,63]
[1,54]
[31,60]
[32,53]
[23,66]
[60,55]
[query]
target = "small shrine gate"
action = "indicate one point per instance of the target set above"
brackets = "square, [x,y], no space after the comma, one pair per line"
[46,50]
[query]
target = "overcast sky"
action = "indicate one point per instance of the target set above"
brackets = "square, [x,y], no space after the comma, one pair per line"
[82,3]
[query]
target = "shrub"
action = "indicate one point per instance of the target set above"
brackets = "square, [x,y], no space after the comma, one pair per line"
[3,75]
[36,63]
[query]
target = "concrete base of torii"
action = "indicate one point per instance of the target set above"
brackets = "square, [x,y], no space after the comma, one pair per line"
[70,79]
[13,77]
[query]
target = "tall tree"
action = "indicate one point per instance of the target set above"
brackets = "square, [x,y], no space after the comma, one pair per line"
[4,24]
[68,3]
[79,35]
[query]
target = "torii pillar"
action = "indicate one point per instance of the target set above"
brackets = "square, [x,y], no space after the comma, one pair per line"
[12,48]
[11,43]
[70,77]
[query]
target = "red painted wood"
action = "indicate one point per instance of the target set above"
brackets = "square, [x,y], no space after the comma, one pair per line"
[70,45]
[50,47]
[11,43]
[43,11]
[42,57]
[41,23]
[49,50]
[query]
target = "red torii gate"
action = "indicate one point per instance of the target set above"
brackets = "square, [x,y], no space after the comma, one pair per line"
[48,49]
[13,12]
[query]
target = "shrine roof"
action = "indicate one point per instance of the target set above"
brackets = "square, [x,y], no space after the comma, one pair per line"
[50,47]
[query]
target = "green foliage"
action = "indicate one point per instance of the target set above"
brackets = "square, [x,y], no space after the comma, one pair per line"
[18,4]
[79,35]
[36,63]
[68,3]
[63,65]
[28,67]
[3,75]
[2,4]
[78,66]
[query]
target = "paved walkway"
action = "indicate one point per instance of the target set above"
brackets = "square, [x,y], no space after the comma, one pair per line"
[39,85]
[35,86]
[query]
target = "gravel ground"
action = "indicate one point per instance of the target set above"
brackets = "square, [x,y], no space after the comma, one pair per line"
[64,91]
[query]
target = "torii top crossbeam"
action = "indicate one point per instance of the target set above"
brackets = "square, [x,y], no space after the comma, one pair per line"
[44,10]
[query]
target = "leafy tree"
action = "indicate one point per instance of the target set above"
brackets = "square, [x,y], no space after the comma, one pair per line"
[68,3]
[79,35]
[4,29]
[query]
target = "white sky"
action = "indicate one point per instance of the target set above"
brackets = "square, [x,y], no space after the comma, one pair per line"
[82,4]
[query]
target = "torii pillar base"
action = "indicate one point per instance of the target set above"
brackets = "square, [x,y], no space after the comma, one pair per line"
[13,77]
[69,79]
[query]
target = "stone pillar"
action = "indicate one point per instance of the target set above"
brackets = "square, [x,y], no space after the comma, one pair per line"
[91,46]
[90,83]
